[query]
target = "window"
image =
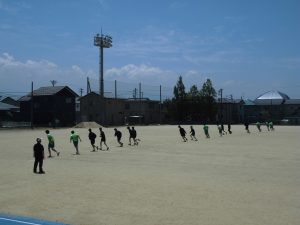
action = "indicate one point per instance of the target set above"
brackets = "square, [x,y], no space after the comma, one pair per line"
[68,100]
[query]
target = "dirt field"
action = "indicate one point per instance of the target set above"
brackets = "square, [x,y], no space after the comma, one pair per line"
[238,179]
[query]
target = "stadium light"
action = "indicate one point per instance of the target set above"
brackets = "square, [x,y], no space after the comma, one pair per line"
[102,41]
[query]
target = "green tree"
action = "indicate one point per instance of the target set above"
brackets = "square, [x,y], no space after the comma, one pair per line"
[208,95]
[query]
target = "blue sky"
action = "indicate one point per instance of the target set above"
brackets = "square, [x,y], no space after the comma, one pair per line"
[245,47]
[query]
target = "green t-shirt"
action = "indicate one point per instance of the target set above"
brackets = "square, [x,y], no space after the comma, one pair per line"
[50,138]
[205,128]
[74,137]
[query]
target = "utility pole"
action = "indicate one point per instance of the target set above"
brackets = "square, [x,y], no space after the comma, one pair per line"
[31,106]
[115,89]
[81,90]
[159,104]
[221,93]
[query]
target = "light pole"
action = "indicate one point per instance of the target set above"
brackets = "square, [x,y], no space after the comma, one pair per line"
[102,41]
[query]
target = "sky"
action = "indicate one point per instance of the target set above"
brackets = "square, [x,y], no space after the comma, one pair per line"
[245,47]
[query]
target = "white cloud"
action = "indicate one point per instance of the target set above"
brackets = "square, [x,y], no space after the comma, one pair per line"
[17,75]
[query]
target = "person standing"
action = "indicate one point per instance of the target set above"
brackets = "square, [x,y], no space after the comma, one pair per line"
[92,137]
[271,126]
[205,128]
[192,134]
[268,125]
[182,133]
[75,138]
[103,139]
[118,134]
[51,144]
[223,129]
[38,154]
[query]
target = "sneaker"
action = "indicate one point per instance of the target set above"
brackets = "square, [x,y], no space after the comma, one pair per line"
[50,156]
[107,148]
[58,153]
[42,172]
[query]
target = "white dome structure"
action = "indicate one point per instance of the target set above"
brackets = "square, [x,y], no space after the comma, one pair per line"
[271,98]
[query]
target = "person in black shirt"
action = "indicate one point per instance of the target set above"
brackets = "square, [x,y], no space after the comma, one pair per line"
[118,134]
[103,139]
[92,137]
[182,133]
[229,128]
[130,135]
[192,134]
[134,135]
[38,154]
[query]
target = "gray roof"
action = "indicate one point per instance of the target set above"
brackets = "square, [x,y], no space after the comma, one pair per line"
[50,90]
[273,95]
[229,100]
[271,98]
[7,107]
[292,102]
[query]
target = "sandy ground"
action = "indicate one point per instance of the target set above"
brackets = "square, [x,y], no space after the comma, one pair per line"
[238,179]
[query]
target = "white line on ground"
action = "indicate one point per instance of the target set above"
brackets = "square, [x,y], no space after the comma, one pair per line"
[18,221]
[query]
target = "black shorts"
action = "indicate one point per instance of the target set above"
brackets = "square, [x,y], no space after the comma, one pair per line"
[103,140]
[51,145]
[92,141]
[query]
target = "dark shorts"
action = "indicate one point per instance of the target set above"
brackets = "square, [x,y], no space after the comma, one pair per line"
[75,143]
[119,138]
[51,145]
[92,141]
[103,140]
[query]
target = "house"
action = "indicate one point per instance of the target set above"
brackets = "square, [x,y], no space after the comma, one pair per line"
[230,110]
[10,101]
[8,112]
[49,106]
[115,111]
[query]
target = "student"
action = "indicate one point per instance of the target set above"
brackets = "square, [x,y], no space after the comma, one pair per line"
[271,126]
[247,127]
[118,134]
[130,135]
[223,130]
[205,128]
[182,133]
[258,126]
[134,135]
[267,125]
[229,128]
[51,144]
[92,137]
[192,134]
[103,139]
[38,154]
[220,130]
[75,138]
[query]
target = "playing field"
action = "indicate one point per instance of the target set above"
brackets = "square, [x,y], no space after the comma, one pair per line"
[237,179]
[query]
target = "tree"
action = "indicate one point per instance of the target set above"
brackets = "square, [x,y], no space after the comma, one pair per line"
[208,94]
[179,90]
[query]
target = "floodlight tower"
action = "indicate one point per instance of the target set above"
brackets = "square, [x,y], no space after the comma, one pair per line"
[102,41]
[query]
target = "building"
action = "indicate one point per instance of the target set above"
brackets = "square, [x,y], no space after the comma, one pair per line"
[8,112]
[114,111]
[10,101]
[50,106]
[275,106]
[230,110]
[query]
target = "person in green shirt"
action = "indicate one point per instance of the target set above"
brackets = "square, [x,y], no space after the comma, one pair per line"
[268,126]
[271,125]
[75,138]
[51,144]
[258,126]
[205,128]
